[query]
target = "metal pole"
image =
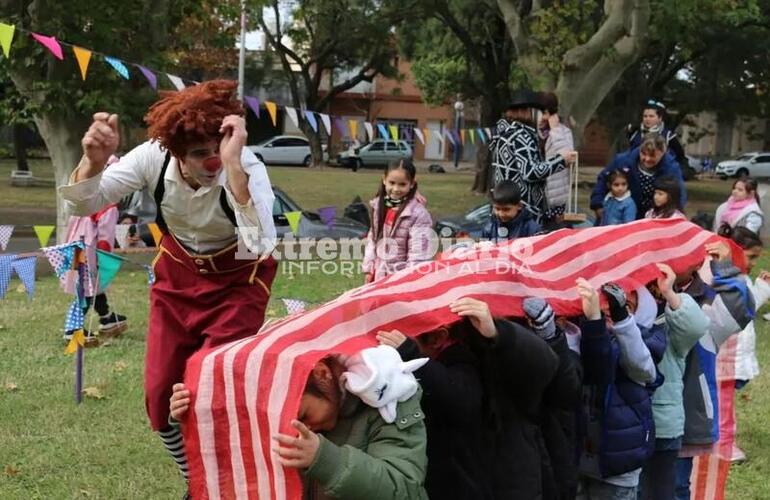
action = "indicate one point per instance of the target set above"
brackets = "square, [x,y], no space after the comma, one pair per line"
[242,52]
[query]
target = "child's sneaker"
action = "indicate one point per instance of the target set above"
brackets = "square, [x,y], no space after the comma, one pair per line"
[112,325]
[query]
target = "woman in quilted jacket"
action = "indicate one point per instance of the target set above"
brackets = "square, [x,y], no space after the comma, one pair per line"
[401,226]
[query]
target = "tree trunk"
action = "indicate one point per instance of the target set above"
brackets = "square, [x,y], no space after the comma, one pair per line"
[62,135]
[316,147]
[20,147]
[490,111]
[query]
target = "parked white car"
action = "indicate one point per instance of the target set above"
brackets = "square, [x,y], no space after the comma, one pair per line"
[755,164]
[285,150]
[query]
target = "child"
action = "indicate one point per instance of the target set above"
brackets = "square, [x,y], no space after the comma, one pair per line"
[516,368]
[561,401]
[686,323]
[620,376]
[619,206]
[97,231]
[344,447]
[401,225]
[510,218]
[741,209]
[666,199]
[452,400]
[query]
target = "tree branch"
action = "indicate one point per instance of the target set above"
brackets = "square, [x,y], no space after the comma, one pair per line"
[513,23]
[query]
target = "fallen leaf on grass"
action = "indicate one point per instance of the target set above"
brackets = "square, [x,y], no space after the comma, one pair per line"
[10,387]
[93,393]
[745,397]
[10,470]
[120,366]
[20,289]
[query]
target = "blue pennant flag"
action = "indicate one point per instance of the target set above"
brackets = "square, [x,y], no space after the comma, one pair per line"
[5,273]
[25,269]
[383,131]
[75,317]
[482,136]
[117,66]
[310,117]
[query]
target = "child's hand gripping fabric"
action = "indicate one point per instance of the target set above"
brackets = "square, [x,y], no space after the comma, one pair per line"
[381,379]
[479,314]
[179,402]
[590,300]
[666,285]
[297,452]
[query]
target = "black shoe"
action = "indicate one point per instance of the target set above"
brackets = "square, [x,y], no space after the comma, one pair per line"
[112,325]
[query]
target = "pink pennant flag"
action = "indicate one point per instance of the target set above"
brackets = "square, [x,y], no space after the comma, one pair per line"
[419,135]
[50,43]
[253,103]
[369,130]
[178,83]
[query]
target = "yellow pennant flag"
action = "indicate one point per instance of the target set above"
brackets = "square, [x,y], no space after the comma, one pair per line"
[78,339]
[43,234]
[6,37]
[426,132]
[462,136]
[353,124]
[473,136]
[293,218]
[393,131]
[157,234]
[84,57]
[272,110]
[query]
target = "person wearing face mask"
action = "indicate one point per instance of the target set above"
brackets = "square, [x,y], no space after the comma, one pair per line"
[653,116]
[208,188]
[643,167]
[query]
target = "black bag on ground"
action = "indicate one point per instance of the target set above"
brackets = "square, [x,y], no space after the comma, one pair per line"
[357,211]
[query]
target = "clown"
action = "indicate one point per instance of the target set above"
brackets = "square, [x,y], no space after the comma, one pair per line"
[208,188]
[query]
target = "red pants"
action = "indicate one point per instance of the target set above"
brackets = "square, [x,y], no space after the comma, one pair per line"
[197,301]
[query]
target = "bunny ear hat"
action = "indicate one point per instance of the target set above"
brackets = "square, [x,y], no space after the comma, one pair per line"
[381,379]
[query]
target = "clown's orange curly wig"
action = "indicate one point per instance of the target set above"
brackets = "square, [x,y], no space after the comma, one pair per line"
[192,115]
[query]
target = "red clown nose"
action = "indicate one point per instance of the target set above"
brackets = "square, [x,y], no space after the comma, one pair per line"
[212,164]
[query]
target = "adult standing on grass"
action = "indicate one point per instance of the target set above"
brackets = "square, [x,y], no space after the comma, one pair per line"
[208,188]
[516,153]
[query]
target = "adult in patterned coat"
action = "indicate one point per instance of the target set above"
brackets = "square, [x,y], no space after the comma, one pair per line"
[516,155]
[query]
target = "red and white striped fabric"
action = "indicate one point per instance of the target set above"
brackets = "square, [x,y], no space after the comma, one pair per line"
[245,392]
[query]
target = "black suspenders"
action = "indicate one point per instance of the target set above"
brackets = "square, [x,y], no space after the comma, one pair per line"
[160,190]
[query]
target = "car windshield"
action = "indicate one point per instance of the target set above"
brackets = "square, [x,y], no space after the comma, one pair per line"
[479,214]
[743,158]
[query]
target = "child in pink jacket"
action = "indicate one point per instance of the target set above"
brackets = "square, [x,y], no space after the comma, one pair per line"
[401,225]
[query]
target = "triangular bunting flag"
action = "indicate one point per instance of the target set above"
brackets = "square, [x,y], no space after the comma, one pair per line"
[419,135]
[75,316]
[383,131]
[25,269]
[60,257]
[5,236]
[118,66]
[50,43]
[369,131]
[272,110]
[426,132]
[150,275]
[253,103]
[43,234]
[176,81]
[340,126]
[6,37]
[5,273]
[327,121]
[473,135]
[393,131]
[462,136]
[157,234]
[108,265]
[310,117]
[353,126]
[489,133]
[293,218]
[449,136]
[294,306]
[151,78]
[121,235]
[408,135]
[482,136]
[292,114]
[327,215]
[84,57]
[78,339]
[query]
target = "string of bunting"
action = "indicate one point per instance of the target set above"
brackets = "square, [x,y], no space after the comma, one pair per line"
[349,128]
